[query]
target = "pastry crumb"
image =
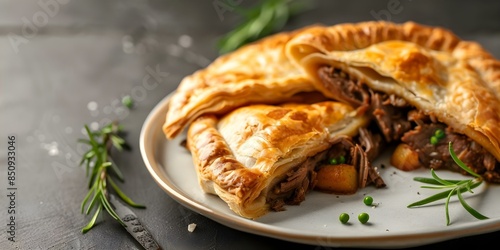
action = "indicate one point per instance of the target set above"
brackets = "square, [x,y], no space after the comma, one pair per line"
[191,227]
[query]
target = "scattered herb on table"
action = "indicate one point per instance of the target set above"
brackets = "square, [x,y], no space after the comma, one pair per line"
[101,170]
[267,17]
[128,102]
[455,187]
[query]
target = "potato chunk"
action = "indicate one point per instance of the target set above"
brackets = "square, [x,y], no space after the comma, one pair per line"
[404,158]
[337,179]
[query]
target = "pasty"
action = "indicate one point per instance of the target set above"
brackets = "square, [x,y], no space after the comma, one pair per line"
[423,86]
[260,157]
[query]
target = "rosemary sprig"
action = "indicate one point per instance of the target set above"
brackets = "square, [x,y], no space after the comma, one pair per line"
[100,168]
[455,187]
[265,18]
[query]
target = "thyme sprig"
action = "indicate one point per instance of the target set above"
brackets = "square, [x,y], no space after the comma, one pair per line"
[100,168]
[259,21]
[455,187]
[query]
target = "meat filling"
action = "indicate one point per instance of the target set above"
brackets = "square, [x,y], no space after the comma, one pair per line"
[399,122]
[297,182]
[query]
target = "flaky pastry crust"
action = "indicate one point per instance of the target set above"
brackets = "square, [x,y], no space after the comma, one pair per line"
[267,72]
[241,156]
[256,73]
[456,81]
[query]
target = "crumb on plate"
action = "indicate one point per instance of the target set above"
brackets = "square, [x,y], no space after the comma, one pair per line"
[191,227]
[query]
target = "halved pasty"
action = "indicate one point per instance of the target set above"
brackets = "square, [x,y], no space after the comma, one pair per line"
[423,86]
[259,158]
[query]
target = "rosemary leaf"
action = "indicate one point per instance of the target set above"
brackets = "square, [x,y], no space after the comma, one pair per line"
[92,141]
[95,198]
[441,181]
[92,221]
[433,181]
[455,187]
[89,155]
[115,169]
[94,172]
[426,180]
[267,17]
[440,196]
[117,142]
[106,130]
[111,211]
[435,187]
[122,195]
[430,199]
[447,205]
[459,162]
[469,209]
[106,164]
[98,158]
[89,193]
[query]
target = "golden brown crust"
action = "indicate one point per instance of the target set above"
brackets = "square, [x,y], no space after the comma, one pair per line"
[361,35]
[457,81]
[241,156]
[263,73]
[256,73]
[217,169]
[486,66]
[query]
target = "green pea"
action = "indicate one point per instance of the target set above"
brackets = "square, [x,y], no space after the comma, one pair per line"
[344,218]
[434,140]
[127,101]
[341,159]
[333,161]
[439,134]
[363,218]
[368,200]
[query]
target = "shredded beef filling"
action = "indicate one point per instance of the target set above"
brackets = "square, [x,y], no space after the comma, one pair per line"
[297,182]
[438,156]
[399,122]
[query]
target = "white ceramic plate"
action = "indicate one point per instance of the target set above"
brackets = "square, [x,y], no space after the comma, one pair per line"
[315,221]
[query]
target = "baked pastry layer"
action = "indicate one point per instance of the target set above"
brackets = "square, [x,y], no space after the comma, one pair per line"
[390,69]
[243,155]
[257,73]
[456,81]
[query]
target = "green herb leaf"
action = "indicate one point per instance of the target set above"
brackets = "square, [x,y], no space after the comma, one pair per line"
[122,195]
[115,169]
[441,181]
[92,221]
[430,199]
[460,163]
[455,187]
[446,206]
[95,198]
[469,209]
[128,102]
[89,193]
[98,158]
[267,17]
